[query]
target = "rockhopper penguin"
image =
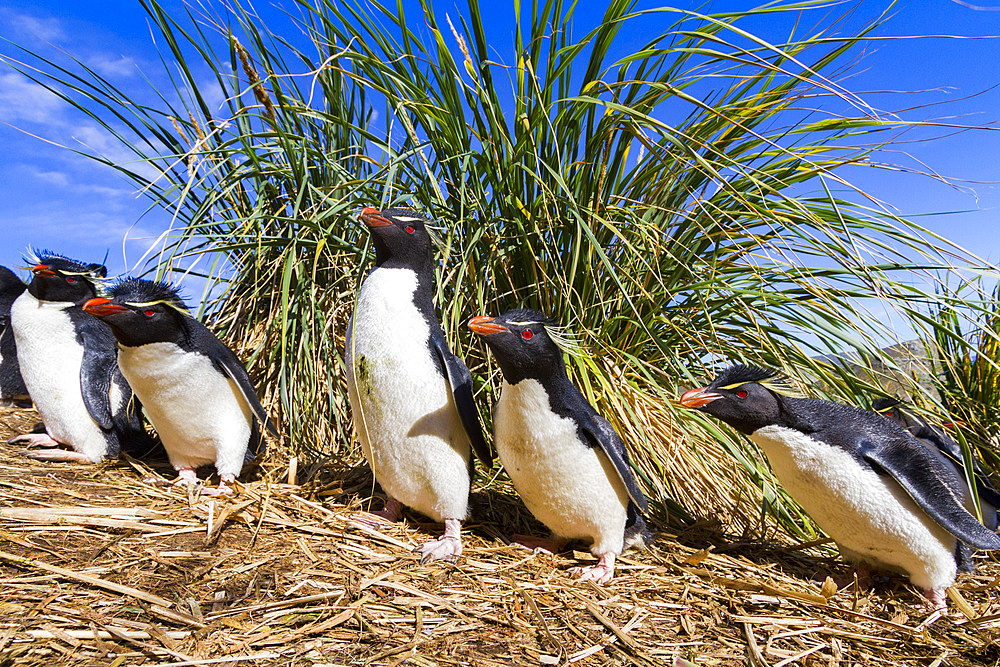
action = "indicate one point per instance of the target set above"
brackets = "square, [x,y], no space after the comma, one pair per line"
[195,390]
[884,499]
[67,360]
[566,461]
[11,384]
[949,452]
[411,398]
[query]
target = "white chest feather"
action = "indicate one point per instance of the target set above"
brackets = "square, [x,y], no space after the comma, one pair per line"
[572,488]
[50,357]
[403,408]
[869,515]
[199,413]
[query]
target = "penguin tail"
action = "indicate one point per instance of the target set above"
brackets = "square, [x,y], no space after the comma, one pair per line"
[637,533]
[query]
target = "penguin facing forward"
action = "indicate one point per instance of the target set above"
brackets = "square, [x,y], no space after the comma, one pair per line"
[949,452]
[67,360]
[886,501]
[411,398]
[195,390]
[566,461]
[11,384]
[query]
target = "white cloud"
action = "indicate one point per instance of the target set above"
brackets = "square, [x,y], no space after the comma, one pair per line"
[24,100]
[33,27]
[109,66]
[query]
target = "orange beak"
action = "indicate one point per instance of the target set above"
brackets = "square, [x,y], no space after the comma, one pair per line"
[696,398]
[484,325]
[372,217]
[102,307]
[42,270]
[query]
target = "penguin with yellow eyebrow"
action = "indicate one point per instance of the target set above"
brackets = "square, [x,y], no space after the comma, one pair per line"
[68,364]
[11,383]
[566,461]
[195,390]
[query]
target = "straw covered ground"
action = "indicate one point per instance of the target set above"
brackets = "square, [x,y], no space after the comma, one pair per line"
[99,568]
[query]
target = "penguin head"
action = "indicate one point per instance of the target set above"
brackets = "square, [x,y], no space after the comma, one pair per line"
[745,397]
[521,342]
[140,312]
[10,288]
[399,235]
[892,409]
[58,278]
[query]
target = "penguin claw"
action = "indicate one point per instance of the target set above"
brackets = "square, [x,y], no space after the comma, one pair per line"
[449,547]
[601,573]
[937,600]
[55,455]
[33,439]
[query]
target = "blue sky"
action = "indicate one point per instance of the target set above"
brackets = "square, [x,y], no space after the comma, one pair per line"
[65,202]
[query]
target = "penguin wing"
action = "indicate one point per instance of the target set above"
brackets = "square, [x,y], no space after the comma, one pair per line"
[460,380]
[227,361]
[97,370]
[915,471]
[984,488]
[601,433]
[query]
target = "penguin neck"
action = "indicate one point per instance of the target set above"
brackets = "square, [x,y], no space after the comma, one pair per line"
[422,268]
[552,377]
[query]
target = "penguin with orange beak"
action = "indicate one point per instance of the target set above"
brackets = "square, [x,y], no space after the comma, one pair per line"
[194,388]
[886,500]
[67,360]
[566,461]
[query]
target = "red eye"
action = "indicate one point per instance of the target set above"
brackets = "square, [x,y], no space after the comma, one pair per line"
[149,313]
[888,413]
[70,280]
[409,229]
[742,393]
[527,334]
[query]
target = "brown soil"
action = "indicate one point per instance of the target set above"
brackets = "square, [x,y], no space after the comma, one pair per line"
[98,567]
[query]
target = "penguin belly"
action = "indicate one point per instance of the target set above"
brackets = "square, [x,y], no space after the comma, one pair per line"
[404,412]
[869,515]
[198,412]
[50,357]
[572,488]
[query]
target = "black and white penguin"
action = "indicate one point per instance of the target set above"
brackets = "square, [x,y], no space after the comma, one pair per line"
[67,360]
[195,390]
[884,499]
[566,461]
[11,384]
[411,397]
[938,443]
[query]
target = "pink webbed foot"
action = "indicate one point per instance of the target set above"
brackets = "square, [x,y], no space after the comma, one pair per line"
[34,440]
[185,477]
[544,545]
[601,573]
[937,599]
[55,455]
[449,547]
[388,515]
[223,489]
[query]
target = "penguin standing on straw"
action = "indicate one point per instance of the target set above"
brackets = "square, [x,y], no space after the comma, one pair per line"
[411,398]
[67,360]
[566,461]
[886,501]
[196,391]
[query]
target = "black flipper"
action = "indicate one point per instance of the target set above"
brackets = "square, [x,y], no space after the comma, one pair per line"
[920,476]
[603,434]
[460,380]
[227,362]
[100,361]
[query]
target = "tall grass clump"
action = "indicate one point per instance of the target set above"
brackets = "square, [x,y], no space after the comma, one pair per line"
[677,200]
